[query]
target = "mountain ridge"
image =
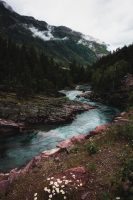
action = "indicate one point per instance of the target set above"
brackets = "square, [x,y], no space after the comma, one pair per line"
[59,42]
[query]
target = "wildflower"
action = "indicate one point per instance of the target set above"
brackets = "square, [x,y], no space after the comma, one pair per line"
[59,182]
[81,184]
[35,198]
[35,194]
[50,196]
[48,179]
[62,186]
[56,184]
[64,177]
[117,198]
[53,191]
[46,189]
[73,176]
[57,190]
[65,197]
[62,192]
[51,182]
[66,182]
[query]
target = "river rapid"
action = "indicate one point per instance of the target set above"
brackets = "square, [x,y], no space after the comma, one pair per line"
[16,151]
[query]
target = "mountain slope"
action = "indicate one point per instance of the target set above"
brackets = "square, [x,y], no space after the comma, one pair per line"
[112,78]
[62,43]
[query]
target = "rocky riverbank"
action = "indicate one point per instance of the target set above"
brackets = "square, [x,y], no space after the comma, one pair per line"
[19,115]
[8,178]
[89,163]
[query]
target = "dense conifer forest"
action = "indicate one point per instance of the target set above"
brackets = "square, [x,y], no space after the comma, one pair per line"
[111,72]
[25,70]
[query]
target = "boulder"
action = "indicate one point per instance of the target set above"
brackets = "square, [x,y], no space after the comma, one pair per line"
[99,129]
[14,175]
[86,94]
[65,144]
[78,139]
[9,126]
[28,167]
[122,114]
[51,152]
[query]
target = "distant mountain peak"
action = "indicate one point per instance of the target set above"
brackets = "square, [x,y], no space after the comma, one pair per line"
[59,42]
[6,5]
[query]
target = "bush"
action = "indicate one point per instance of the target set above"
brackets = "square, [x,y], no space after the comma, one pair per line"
[128,168]
[92,148]
[74,150]
[105,196]
[124,184]
[122,132]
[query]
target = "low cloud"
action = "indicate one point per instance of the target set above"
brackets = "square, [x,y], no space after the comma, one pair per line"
[109,20]
[44,35]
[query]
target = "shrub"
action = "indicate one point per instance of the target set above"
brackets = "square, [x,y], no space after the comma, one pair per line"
[124,185]
[128,168]
[122,132]
[74,150]
[92,148]
[105,196]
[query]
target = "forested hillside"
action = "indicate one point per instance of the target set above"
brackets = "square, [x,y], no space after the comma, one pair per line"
[25,70]
[112,76]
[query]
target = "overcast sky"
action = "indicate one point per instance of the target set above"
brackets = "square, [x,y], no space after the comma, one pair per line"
[110,21]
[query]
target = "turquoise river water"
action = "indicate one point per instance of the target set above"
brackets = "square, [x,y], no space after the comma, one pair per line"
[16,151]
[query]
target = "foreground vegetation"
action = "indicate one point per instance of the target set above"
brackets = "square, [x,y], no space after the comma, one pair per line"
[107,159]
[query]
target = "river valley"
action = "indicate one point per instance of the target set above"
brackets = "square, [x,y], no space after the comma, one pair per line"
[16,151]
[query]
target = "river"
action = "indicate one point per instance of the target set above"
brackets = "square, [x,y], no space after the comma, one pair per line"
[15,151]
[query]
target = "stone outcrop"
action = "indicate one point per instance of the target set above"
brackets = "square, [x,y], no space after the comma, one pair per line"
[18,116]
[60,115]
[9,126]
[65,144]
[40,109]
[86,95]
[52,152]
[99,129]
[78,139]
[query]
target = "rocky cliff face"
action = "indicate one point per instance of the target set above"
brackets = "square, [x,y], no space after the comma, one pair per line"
[62,43]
